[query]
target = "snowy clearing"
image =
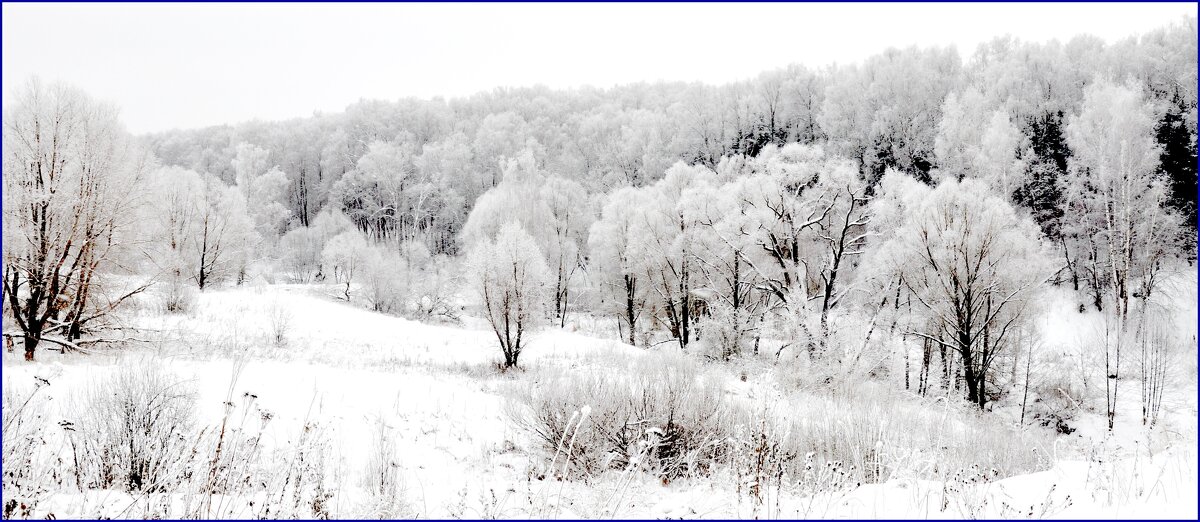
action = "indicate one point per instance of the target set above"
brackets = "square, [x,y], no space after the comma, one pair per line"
[437,393]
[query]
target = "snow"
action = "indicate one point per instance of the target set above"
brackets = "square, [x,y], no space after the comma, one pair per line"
[436,389]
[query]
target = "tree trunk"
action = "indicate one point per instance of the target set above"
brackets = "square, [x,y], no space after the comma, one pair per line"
[972,385]
[31,342]
[972,375]
[686,313]
[1070,265]
[630,313]
[1028,369]
[565,292]
[923,380]
[945,366]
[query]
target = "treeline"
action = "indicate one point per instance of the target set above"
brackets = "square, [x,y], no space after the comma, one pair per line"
[844,213]
[414,168]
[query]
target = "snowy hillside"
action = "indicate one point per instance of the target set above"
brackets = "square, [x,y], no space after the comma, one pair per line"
[351,391]
[733,261]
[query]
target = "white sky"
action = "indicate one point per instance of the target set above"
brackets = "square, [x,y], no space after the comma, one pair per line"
[191,65]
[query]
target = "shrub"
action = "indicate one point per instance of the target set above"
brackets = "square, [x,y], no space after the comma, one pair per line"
[381,476]
[26,471]
[656,414]
[433,288]
[384,281]
[279,319]
[880,434]
[178,289]
[660,414]
[301,249]
[727,332]
[135,429]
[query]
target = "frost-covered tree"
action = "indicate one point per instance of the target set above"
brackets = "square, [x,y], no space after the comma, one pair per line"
[72,177]
[374,193]
[1041,191]
[225,235]
[264,192]
[515,198]
[973,264]
[555,211]
[499,137]
[785,212]
[959,133]
[885,113]
[842,232]
[673,227]
[1117,212]
[617,258]
[512,280]
[1000,161]
[1116,196]
[301,247]
[975,141]
[570,216]
[345,255]
[805,215]
[449,165]
[197,227]
[264,187]
[726,278]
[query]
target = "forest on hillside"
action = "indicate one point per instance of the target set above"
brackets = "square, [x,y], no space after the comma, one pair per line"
[905,224]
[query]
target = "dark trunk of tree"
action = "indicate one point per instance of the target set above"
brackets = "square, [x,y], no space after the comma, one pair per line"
[923,380]
[630,312]
[969,373]
[31,342]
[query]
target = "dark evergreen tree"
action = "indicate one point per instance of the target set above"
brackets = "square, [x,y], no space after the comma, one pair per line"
[1178,166]
[1042,193]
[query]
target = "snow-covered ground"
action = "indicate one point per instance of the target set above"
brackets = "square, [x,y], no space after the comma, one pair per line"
[315,364]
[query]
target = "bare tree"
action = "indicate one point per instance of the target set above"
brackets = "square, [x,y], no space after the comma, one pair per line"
[1156,356]
[843,230]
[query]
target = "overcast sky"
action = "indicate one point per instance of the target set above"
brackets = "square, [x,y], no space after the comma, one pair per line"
[193,65]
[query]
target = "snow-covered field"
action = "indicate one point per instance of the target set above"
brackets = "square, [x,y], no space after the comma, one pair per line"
[291,367]
[782,274]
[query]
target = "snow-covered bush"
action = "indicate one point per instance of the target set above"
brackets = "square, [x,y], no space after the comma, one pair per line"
[763,459]
[858,348]
[381,475]
[279,319]
[878,434]
[434,288]
[135,429]
[301,250]
[727,331]
[26,472]
[384,279]
[663,415]
[658,415]
[178,295]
